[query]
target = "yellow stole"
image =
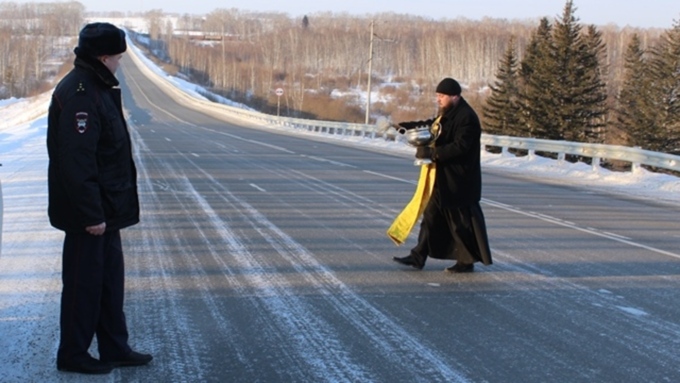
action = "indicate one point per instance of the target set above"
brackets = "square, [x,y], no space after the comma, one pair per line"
[406,220]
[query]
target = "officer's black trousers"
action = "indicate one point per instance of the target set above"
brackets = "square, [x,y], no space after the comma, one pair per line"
[93,275]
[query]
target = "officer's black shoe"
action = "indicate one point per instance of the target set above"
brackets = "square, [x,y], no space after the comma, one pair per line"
[461,268]
[85,366]
[409,260]
[132,359]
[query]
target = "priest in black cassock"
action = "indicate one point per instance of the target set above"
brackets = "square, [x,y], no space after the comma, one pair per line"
[453,225]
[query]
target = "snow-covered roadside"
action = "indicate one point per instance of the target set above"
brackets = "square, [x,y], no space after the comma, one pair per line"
[30,281]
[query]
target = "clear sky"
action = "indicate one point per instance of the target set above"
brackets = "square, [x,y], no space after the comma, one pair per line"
[636,13]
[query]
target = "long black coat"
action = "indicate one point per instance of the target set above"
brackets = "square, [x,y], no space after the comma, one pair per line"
[453,225]
[457,155]
[91,175]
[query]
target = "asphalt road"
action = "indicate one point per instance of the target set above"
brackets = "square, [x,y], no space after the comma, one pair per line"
[262,257]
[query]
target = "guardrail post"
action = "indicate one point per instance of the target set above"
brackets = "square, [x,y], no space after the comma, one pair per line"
[596,164]
[634,167]
[561,157]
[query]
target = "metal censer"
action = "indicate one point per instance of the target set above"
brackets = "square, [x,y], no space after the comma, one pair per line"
[422,136]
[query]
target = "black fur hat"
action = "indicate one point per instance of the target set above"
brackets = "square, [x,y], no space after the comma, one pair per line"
[449,86]
[101,39]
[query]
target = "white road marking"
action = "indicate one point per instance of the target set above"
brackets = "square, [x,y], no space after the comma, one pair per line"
[321,159]
[390,177]
[632,311]
[281,149]
[571,225]
[258,188]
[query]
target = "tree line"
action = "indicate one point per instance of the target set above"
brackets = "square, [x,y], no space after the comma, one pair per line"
[558,90]
[35,39]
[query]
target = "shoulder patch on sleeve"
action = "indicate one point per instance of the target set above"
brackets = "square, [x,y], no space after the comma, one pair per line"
[81,122]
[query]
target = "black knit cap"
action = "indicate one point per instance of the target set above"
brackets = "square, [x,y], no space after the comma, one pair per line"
[449,86]
[101,39]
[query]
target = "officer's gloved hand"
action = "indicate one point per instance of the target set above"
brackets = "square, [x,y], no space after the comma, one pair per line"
[425,152]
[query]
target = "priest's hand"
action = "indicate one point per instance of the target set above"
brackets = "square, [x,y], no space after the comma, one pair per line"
[408,125]
[97,229]
[425,152]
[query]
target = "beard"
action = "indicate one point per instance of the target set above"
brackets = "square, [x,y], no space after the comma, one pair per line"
[443,109]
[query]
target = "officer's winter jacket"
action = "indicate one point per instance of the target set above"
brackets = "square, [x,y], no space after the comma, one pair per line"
[91,175]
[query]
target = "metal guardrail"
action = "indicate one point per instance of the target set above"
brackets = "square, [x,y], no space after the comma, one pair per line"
[597,152]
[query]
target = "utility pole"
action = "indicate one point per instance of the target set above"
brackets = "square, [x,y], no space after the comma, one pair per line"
[224,58]
[368,90]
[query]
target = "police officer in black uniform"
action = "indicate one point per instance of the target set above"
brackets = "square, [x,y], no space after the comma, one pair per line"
[92,196]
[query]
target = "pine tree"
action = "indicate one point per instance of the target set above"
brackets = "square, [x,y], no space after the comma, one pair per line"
[501,111]
[536,99]
[665,94]
[569,73]
[563,96]
[593,101]
[634,113]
